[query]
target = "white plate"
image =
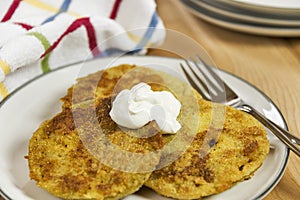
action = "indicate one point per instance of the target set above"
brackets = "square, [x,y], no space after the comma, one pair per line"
[286,4]
[282,7]
[248,16]
[239,25]
[23,111]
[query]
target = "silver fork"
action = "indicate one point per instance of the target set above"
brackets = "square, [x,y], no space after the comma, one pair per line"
[211,87]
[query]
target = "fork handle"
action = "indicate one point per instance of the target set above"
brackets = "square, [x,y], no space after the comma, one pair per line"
[287,138]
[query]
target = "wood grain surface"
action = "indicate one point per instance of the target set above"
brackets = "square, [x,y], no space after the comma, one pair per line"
[271,64]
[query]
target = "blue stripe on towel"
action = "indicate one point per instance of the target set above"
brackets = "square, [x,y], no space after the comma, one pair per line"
[63,8]
[145,39]
[147,36]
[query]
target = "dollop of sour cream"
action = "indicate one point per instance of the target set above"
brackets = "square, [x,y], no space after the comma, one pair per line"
[136,107]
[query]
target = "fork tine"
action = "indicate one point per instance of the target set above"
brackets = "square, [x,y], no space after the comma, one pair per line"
[224,89]
[203,84]
[204,90]
[209,84]
[213,82]
[215,76]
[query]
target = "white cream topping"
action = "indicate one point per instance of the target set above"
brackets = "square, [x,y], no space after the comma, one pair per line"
[136,107]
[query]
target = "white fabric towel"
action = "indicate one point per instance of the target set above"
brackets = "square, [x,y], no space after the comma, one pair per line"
[37,36]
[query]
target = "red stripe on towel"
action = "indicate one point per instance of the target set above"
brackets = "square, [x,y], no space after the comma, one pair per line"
[25,26]
[115,9]
[13,7]
[74,26]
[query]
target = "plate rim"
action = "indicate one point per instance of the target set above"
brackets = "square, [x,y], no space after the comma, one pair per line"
[286,149]
[229,11]
[264,8]
[239,26]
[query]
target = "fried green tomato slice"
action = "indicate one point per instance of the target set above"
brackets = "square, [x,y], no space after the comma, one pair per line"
[236,151]
[82,154]
[64,153]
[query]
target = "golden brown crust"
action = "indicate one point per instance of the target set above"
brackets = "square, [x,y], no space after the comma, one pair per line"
[65,152]
[61,163]
[236,153]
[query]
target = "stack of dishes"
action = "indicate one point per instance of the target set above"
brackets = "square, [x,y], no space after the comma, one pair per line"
[263,17]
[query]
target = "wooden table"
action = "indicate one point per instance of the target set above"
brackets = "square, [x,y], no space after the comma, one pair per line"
[271,64]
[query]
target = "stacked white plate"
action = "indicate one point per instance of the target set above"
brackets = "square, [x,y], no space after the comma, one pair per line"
[263,17]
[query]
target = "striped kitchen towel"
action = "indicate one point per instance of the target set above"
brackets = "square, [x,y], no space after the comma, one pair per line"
[37,36]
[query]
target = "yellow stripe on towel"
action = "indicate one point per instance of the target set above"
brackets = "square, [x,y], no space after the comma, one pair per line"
[4,66]
[138,39]
[47,7]
[3,91]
